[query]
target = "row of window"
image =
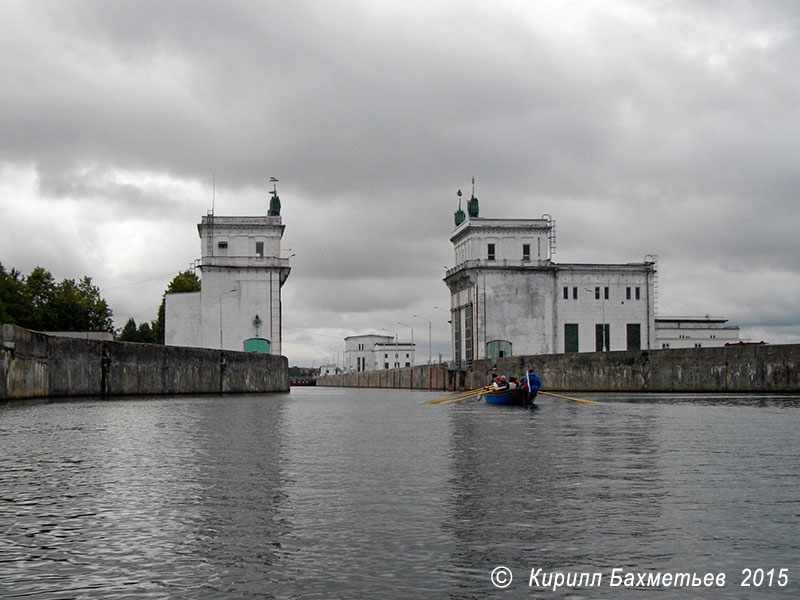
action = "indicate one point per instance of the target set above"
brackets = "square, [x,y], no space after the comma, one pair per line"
[630,293]
[491,250]
[259,248]
[602,337]
[665,346]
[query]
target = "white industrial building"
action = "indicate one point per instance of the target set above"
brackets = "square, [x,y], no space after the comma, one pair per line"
[695,332]
[371,352]
[329,369]
[242,272]
[509,298]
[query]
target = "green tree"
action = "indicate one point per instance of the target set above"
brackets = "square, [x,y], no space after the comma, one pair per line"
[39,296]
[144,333]
[37,302]
[99,314]
[11,292]
[129,332]
[184,282]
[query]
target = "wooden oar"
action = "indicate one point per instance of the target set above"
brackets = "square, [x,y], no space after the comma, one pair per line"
[470,397]
[568,398]
[462,395]
[459,396]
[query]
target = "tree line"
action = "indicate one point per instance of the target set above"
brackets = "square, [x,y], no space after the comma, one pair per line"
[40,303]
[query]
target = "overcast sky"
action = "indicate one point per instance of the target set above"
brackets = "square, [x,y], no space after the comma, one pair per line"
[664,128]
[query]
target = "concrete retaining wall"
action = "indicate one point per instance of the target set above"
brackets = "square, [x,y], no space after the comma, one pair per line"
[37,365]
[773,369]
[423,377]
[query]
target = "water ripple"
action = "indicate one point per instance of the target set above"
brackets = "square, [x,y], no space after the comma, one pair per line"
[362,493]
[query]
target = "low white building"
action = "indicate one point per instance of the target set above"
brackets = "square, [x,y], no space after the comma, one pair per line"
[695,332]
[242,272]
[509,298]
[393,355]
[329,369]
[372,352]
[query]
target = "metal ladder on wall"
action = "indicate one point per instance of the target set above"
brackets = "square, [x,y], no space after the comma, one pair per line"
[653,258]
[551,233]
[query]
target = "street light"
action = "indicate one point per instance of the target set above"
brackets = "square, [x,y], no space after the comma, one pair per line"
[220,314]
[429,334]
[412,335]
[396,359]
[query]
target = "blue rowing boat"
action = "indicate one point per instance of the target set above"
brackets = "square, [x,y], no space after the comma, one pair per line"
[509,397]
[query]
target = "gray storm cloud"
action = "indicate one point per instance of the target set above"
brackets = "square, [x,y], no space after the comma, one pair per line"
[643,128]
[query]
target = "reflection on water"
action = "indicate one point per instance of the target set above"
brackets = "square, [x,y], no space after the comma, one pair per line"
[327,493]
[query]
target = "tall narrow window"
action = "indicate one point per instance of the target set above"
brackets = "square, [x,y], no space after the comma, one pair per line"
[575,293]
[638,294]
[457,336]
[526,251]
[566,293]
[491,252]
[260,249]
[605,292]
[468,341]
[627,293]
[597,293]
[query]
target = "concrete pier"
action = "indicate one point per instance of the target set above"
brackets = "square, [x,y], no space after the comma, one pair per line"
[735,369]
[34,365]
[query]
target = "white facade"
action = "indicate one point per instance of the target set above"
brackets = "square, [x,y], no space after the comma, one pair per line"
[393,355]
[695,332]
[328,370]
[242,273]
[373,352]
[509,298]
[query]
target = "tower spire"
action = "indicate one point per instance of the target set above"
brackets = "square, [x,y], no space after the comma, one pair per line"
[472,206]
[275,201]
[460,217]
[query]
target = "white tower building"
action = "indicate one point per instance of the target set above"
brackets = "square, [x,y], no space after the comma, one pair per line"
[509,298]
[242,272]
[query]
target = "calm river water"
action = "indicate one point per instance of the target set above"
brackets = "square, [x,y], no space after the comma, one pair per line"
[341,493]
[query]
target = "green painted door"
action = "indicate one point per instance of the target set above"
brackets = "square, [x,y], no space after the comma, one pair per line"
[259,345]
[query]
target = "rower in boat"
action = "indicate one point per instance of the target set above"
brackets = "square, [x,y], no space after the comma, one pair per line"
[530,386]
[500,383]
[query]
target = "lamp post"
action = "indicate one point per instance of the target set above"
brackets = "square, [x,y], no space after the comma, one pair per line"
[412,336]
[220,314]
[452,334]
[429,334]
[395,343]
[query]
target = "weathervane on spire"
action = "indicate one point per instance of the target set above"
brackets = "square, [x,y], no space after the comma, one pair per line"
[275,201]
